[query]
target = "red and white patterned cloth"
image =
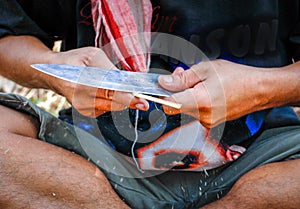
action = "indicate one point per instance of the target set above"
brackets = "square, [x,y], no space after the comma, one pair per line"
[123,28]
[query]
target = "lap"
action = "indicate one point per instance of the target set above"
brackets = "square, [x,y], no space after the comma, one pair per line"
[274,185]
[195,189]
[168,189]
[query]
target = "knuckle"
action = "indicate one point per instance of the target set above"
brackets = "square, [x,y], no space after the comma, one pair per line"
[184,80]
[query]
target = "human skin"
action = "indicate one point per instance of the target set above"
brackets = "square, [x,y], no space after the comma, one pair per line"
[219,90]
[272,186]
[59,179]
[35,174]
[17,53]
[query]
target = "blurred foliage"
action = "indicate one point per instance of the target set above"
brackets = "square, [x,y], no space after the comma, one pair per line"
[46,99]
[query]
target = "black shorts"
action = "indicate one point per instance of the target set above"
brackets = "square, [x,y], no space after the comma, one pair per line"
[167,189]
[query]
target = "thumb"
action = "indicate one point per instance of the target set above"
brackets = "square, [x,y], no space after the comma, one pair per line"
[179,81]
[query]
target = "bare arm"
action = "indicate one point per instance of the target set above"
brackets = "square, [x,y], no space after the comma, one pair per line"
[17,53]
[219,90]
[286,86]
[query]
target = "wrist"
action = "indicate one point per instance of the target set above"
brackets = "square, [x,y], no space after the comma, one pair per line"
[55,84]
[263,89]
[277,87]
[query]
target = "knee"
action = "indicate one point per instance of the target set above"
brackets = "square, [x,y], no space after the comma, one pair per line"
[274,185]
[271,176]
[16,122]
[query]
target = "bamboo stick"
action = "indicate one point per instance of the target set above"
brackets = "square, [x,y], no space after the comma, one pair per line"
[158,100]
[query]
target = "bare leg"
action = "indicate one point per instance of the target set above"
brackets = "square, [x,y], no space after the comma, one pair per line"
[272,186]
[34,174]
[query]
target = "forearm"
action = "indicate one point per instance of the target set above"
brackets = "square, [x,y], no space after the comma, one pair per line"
[17,53]
[220,90]
[281,86]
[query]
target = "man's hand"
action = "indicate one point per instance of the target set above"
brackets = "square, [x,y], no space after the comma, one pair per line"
[93,101]
[216,91]
[17,53]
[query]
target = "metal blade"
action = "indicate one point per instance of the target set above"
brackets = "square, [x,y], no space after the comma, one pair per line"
[119,80]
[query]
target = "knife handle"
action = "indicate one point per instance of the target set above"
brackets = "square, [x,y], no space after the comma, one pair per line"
[157,100]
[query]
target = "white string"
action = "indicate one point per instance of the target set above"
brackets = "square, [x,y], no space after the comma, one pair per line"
[135,141]
[156,106]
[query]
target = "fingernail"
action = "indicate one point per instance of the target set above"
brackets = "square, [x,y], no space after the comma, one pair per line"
[167,78]
[140,106]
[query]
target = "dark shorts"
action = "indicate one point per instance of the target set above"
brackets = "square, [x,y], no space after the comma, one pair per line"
[170,189]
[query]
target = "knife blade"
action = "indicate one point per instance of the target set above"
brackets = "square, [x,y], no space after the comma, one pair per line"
[118,80]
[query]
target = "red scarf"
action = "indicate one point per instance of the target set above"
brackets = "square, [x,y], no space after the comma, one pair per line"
[123,30]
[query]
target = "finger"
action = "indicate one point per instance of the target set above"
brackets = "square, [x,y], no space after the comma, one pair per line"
[186,98]
[193,100]
[179,80]
[123,98]
[107,105]
[100,59]
[178,70]
[105,94]
[96,108]
[197,102]
[101,106]
[131,101]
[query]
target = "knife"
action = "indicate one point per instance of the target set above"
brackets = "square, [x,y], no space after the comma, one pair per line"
[142,85]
